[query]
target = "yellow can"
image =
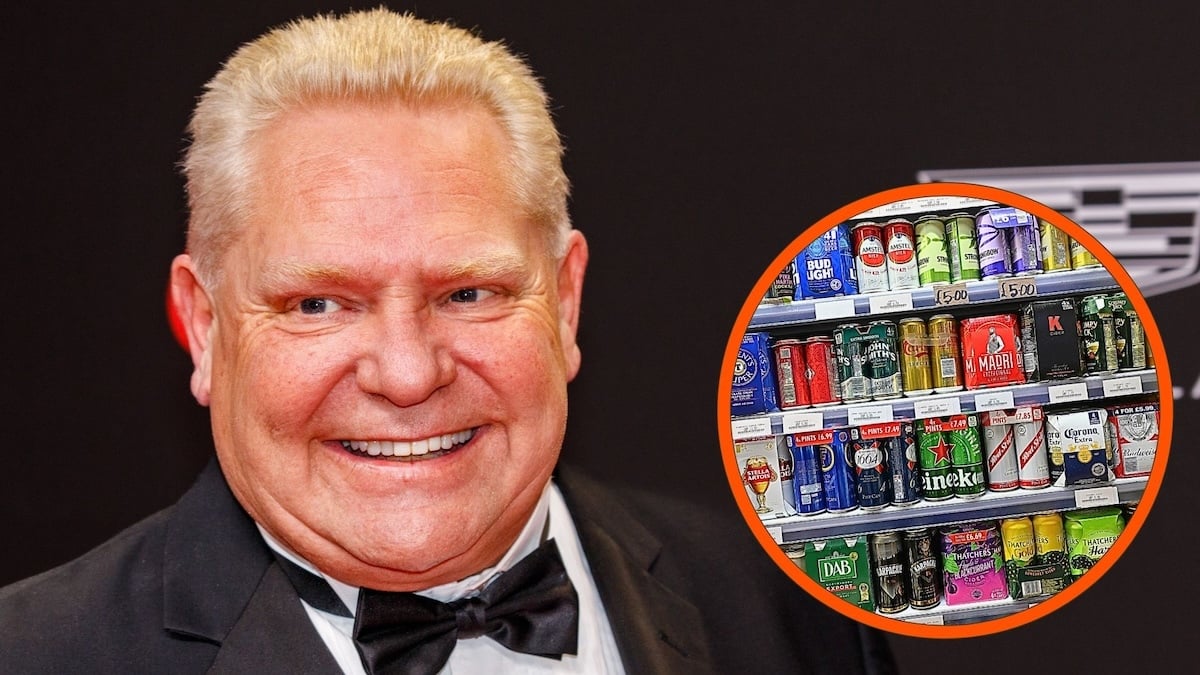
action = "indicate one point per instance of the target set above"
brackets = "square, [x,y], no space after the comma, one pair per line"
[944,359]
[1017,534]
[1048,536]
[1081,258]
[914,357]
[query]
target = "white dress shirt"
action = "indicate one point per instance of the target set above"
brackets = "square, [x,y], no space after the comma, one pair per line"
[597,647]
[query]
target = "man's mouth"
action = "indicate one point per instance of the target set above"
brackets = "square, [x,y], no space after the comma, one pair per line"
[420,449]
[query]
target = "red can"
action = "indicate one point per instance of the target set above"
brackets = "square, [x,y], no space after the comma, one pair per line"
[790,374]
[822,371]
[901,254]
[870,257]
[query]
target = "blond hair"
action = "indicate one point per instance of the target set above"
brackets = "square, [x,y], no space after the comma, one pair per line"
[376,56]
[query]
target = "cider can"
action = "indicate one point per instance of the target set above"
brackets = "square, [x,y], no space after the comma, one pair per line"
[964,251]
[1056,247]
[915,365]
[933,260]
[944,359]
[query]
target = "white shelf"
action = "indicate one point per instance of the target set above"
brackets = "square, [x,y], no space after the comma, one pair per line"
[947,615]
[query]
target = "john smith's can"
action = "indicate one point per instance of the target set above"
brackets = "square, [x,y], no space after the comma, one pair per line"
[924,582]
[821,373]
[901,254]
[883,360]
[933,260]
[807,483]
[915,368]
[994,261]
[964,251]
[870,257]
[945,360]
[1056,247]
[887,563]
[871,475]
[837,470]
[790,374]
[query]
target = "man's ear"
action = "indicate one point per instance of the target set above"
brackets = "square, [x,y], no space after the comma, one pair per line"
[195,310]
[570,292]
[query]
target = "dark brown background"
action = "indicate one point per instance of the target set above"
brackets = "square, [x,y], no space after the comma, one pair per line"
[701,141]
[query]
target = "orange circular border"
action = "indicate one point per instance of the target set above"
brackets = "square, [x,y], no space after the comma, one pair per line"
[1153,339]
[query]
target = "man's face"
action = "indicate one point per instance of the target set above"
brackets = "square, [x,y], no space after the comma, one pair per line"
[386,354]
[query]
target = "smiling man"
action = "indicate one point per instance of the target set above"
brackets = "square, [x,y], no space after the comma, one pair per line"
[381,296]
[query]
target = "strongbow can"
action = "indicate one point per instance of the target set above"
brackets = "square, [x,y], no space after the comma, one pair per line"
[994,261]
[964,252]
[915,370]
[1026,245]
[901,254]
[933,261]
[790,374]
[821,373]
[870,257]
[944,353]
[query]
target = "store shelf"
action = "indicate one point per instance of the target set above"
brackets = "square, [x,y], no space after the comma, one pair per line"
[875,305]
[992,505]
[922,206]
[947,615]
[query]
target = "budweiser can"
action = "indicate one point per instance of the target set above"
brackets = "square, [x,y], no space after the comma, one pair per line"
[887,558]
[790,374]
[1056,247]
[821,372]
[933,260]
[944,353]
[915,368]
[870,257]
[1033,468]
[901,254]
[999,446]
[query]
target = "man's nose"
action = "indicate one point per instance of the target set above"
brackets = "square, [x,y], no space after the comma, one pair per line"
[405,358]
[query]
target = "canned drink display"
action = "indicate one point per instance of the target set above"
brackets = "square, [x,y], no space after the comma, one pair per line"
[933,448]
[970,571]
[807,483]
[870,257]
[1081,258]
[821,373]
[999,444]
[843,567]
[994,261]
[1033,469]
[854,381]
[964,252]
[1098,335]
[966,456]
[1090,533]
[901,254]
[1056,247]
[1049,538]
[753,377]
[991,349]
[933,260]
[924,581]
[1133,437]
[837,470]
[1078,447]
[883,360]
[1026,246]
[916,373]
[899,444]
[791,374]
[944,353]
[873,481]
[825,268]
[888,557]
[1017,534]
[1128,332]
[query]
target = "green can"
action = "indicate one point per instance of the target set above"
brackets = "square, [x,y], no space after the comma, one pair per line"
[1129,334]
[966,456]
[933,448]
[1097,334]
[1056,247]
[964,251]
[933,261]
[850,342]
[883,360]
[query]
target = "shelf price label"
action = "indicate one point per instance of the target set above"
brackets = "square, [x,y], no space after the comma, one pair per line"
[751,427]
[834,309]
[794,423]
[776,532]
[857,417]
[1123,386]
[1018,288]
[951,294]
[936,407]
[928,619]
[994,400]
[891,302]
[1097,496]
[1069,393]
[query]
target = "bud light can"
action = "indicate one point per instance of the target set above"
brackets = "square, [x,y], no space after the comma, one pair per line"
[933,260]
[870,257]
[807,482]
[837,471]
[871,475]
[823,388]
[994,261]
[904,465]
[901,254]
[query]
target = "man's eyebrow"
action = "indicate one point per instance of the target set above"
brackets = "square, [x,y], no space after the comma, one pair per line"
[285,272]
[491,265]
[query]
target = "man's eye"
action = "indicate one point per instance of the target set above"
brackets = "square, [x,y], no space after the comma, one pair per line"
[469,295]
[318,306]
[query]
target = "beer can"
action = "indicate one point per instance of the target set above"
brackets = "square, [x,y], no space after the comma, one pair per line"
[821,371]
[1049,539]
[944,353]
[837,471]
[784,285]
[964,252]
[825,268]
[854,381]
[1017,535]
[790,374]
[933,449]
[872,478]
[924,582]
[1129,333]
[807,483]
[915,371]
[1056,247]
[1033,468]
[901,254]
[753,377]
[1081,258]
[870,257]
[1098,335]
[1026,245]
[994,261]
[999,444]
[933,260]
[883,360]
[904,465]
[887,558]
[966,456]
[991,351]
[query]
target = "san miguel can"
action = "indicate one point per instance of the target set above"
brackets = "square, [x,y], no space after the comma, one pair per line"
[837,471]
[915,371]
[966,456]
[933,261]
[924,582]
[821,373]
[807,483]
[999,445]
[871,475]
[870,257]
[790,374]
[883,360]
[1056,247]
[933,447]
[994,261]
[1081,258]
[944,353]
[964,251]
[887,558]
[901,254]
[903,463]
[850,344]
[1033,468]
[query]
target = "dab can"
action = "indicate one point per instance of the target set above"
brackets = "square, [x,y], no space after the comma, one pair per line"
[915,368]
[887,558]
[901,254]
[837,471]
[870,257]
[945,361]
[966,455]
[964,252]
[933,261]
[1056,247]
[937,471]
[790,374]
[994,261]
[821,371]
[1081,258]
[883,360]
[924,582]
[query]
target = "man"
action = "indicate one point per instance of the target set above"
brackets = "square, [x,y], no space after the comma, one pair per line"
[381,296]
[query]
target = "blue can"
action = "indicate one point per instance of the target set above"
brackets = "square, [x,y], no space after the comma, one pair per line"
[1026,243]
[837,471]
[873,481]
[994,253]
[753,377]
[903,462]
[825,268]
[807,482]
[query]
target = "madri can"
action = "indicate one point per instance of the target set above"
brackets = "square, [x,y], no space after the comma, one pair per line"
[915,370]
[1056,247]
[807,483]
[945,361]
[850,344]
[870,257]
[964,251]
[1081,258]
[872,478]
[883,360]
[966,455]
[999,444]
[904,465]
[1033,464]
[933,260]
[821,372]
[901,254]
[924,582]
[887,558]
[837,471]
[994,261]
[790,374]
[933,447]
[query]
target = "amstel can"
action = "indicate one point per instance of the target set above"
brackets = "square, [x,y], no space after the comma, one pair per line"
[933,448]
[994,260]
[964,251]
[1049,539]
[850,344]
[924,582]
[966,455]
[999,444]
[904,464]
[901,254]
[1033,468]
[807,483]
[821,373]
[790,374]
[945,360]
[873,481]
[1081,258]
[933,260]
[883,360]
[915,368]
[1056,247]
[887,558]
[837,471]
[870,257]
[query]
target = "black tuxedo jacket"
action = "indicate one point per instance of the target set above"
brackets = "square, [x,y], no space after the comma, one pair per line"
[194,589]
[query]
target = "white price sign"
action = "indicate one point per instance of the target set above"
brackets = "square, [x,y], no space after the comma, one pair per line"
[891,302]
[951,294]
[751,427]
[936,407]
[928,619]
[875,414]
[1123,386]
[776,532]
[1097,496]
[834,309]
[1068,393]
[993,400]
[794,423]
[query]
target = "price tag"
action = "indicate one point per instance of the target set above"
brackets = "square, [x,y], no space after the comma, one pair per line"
[1097,496]
[776,532]
[1009,216]
[1017,288]
[891,302]
[794,423]
[993,400]
[927,619]
[751,427]
[1069,393]
[856,417]
[1123,386]
[936,407]
[951,294]
[834,309]
[1022,414]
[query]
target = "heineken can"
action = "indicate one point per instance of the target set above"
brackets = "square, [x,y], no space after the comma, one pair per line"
[915,369]
[966,456]
[901,254]
[933,449]
[1056,247]
[883,360]
[1081,258]
[1098,335]
[850,342]
[904,465]
[873,481]
[924,582]
[870,257]
[933,260]
[887,564]
[945,362]
[999,444]
[1033,468]
[837,471]
[994,260]
[964,252]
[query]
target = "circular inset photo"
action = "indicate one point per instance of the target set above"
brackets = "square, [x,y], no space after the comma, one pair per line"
[940,410]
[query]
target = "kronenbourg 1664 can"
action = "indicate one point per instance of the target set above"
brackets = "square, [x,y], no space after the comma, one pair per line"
[837,470]
[903,463]
[871,475]
[807,482]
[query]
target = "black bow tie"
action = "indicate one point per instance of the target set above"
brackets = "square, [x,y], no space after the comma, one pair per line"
[531,608]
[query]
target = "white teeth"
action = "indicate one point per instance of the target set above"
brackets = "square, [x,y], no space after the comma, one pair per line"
[406,448]
[373,448]
[420,447]
[386,447]
[403,448]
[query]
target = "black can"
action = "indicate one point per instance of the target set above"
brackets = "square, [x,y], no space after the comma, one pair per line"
[904,464]
[924,582]
[873,481]
[888,568]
